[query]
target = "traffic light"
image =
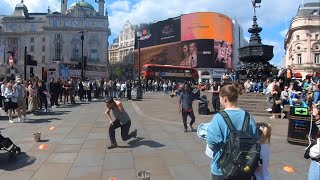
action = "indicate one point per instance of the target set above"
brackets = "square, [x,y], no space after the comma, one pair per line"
[31,62]
[79,65]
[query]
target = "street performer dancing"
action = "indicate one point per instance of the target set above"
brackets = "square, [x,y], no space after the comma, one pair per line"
[122,120]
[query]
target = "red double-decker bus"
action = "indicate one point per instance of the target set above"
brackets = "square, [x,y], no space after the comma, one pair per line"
[174,73]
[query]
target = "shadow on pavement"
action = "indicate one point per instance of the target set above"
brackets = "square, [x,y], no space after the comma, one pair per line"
[51,113]
[41,120]
[19,161]
[139,141]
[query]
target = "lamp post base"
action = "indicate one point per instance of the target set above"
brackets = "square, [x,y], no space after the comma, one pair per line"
[139,92]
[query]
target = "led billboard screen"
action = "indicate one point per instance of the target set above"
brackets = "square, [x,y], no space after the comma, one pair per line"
[168,31]
[148,37]
[206,25]
[166,54]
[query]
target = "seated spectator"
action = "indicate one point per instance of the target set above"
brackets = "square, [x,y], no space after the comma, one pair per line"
[307,84]
[285,94]
[316,94]
[293,95]
[265,86]
[303,98]
[256,86]
[248,85]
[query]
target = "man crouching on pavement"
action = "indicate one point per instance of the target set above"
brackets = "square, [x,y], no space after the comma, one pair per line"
[122,120]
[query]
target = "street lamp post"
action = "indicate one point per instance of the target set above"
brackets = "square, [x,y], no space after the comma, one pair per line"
[139,88]
[82,60]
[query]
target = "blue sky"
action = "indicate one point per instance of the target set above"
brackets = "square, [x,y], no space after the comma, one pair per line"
[274,15]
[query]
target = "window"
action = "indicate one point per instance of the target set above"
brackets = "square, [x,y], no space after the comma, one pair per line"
[43,39]
[32,39]
[298,37]
[317,36]
[32,48]
[58,51]
[58,36]
[127,44]
[76,52]
[121,45]
[94,56]
[299,58]
[317,58]
[43,59]
[125,37]
[132,43]
[43,48]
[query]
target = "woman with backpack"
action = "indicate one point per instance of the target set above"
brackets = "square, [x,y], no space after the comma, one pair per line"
[219,135]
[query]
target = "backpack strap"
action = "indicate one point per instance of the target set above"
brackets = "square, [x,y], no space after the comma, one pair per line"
[228,121]
[246,122]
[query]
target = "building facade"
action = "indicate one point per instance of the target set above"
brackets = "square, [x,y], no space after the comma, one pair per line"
[54,36]
[122,49]
[302,41]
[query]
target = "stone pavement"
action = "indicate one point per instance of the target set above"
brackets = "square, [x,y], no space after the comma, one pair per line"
[77,148]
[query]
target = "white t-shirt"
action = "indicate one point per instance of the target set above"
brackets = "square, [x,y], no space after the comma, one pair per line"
[263,173]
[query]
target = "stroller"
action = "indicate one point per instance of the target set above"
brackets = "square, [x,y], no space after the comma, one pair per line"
[7,144]
[203,105]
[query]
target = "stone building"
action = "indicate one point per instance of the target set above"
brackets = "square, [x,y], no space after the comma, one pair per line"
[121,51]
[54,36]
[302,41]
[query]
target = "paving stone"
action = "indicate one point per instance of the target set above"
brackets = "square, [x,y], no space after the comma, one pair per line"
[125,174]
[68,148]
[94,144]
[68,158]
[118,161]
[155,165]
[85,173]
[52,172]
[175,157]
[94,136]
[185,171]
[17,175]
[73,141]
[90,157]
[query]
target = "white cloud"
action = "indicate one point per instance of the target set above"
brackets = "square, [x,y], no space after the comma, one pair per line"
[121,5]
[32,5]
[270,14]
[278,50]
[284,32]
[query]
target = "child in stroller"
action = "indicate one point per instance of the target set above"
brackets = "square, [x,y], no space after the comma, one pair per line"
[7,144]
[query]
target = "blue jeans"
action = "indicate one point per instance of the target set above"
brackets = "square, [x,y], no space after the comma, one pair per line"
[314,171]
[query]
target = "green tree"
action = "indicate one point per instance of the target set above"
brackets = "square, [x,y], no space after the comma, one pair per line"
[118,72]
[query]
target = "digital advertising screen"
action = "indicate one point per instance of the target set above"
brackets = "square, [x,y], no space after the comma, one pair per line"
[197,53]
[222,54]
[206,25]
[168,31]
[166,54]
[148,37]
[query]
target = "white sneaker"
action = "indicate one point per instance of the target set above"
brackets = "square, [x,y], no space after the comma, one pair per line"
[10,121]
[281,106]
[269,109]
[45,110]
[20,119]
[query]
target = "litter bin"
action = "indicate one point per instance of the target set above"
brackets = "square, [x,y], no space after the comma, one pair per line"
[144,175]
[299,126]
[203,105]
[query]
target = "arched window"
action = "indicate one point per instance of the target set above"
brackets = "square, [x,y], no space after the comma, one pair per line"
[76,52]
[58,51]
[205,73]
[94,56]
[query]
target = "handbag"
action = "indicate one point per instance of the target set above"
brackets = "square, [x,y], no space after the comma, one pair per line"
[278,102]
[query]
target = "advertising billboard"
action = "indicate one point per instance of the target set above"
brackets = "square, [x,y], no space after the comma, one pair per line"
[168,31]
[166,54]
[206,25]
[148,37]
[197,53]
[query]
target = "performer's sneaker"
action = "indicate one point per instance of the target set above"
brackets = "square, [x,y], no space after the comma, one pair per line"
[134,133]
[114,145]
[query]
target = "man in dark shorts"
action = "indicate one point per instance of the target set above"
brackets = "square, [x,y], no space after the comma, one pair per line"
[122,120]
[186,99]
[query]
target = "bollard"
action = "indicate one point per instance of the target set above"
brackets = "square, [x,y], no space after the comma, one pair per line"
[37,136]
[144,175]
